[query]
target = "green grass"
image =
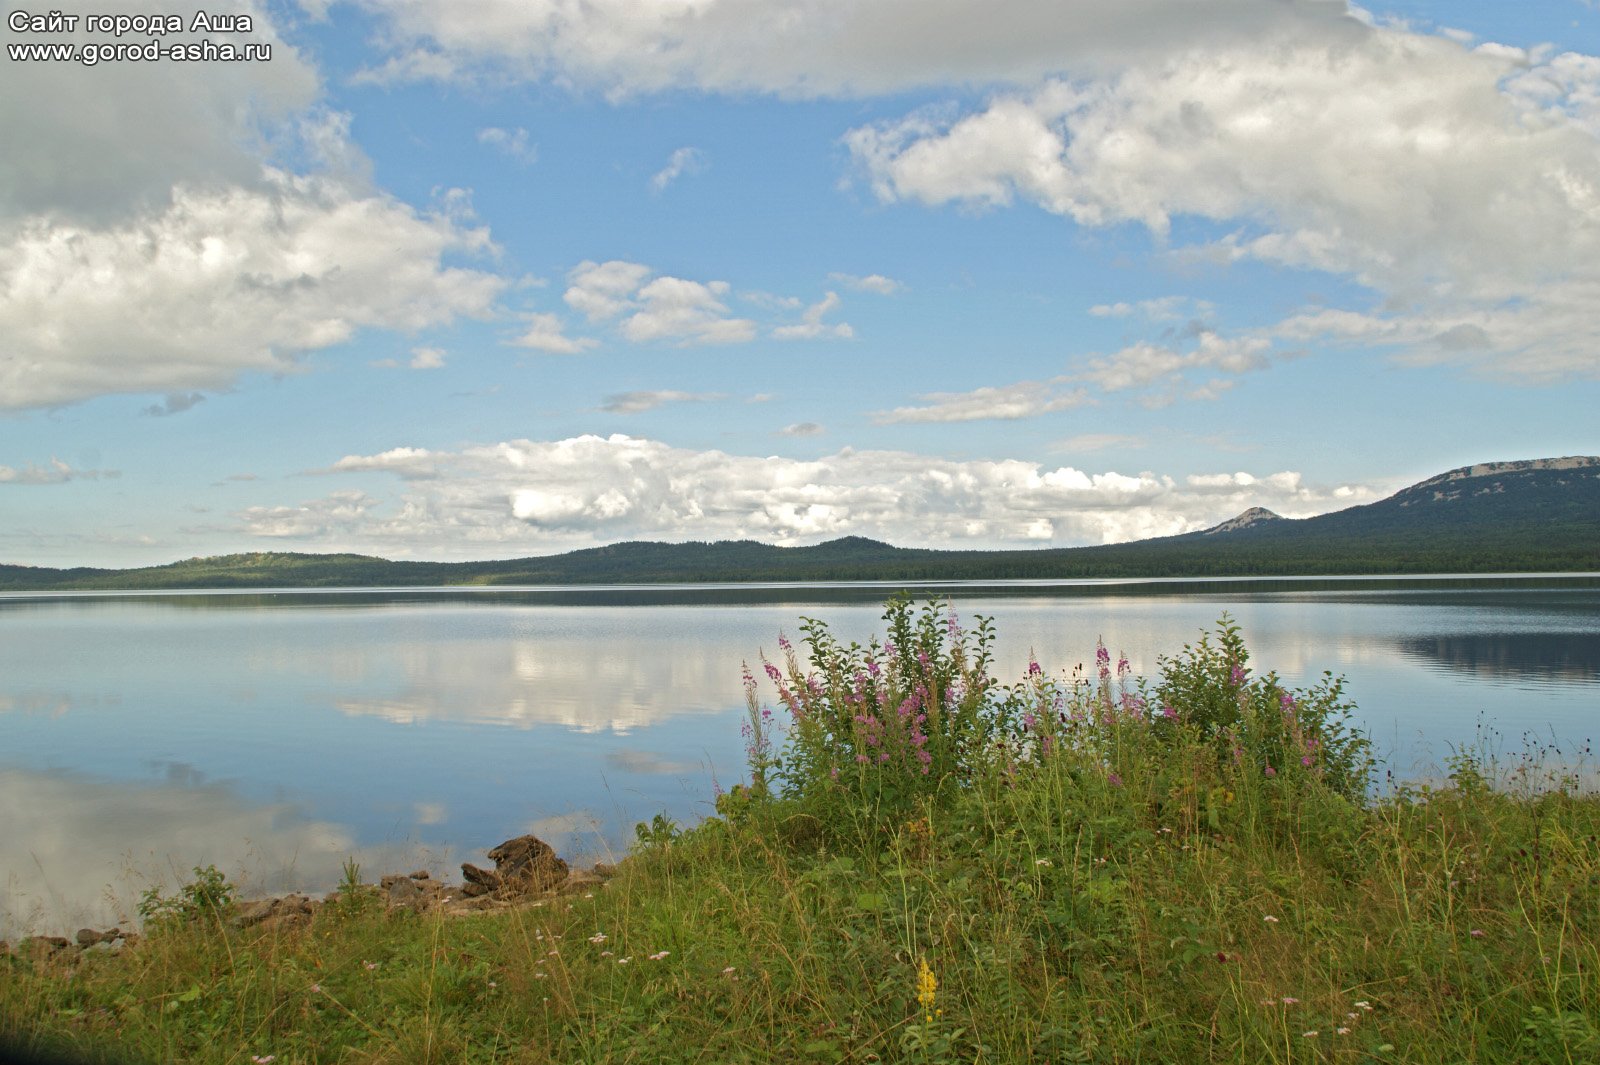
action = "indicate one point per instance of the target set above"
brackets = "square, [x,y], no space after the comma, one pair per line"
[1138,892]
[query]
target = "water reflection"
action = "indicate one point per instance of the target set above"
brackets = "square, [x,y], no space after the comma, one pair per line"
[78,851]
[588,680]
[1570,657]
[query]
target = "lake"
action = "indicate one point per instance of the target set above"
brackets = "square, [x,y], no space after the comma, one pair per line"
[277,734]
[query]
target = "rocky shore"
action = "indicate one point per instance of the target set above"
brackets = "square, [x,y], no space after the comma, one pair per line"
[526,872]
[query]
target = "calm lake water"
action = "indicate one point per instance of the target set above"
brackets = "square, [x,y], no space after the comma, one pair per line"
[277,734]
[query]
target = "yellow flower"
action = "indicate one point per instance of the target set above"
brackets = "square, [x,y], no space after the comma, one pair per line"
[927,989]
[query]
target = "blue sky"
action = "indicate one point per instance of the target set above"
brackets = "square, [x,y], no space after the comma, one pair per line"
[493,279]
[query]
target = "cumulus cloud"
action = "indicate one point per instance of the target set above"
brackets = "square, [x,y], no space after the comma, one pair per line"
[427,358]
[683,161]
[56,472]
[638,402]
[802,429]
[218,283]
[661,308]
[238,233]
[811,325]
[526,495]
[820,48]
[546,333]
[1459,186]
[510,142]
[1025,399]
[875,283]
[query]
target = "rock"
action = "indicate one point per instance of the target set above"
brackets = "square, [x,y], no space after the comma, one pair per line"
[420,874]
[282,911]
[579,883]
[411,893]
[88,937]
[39,948]
[523,866]
[530,862]
[605,870]
[479,881]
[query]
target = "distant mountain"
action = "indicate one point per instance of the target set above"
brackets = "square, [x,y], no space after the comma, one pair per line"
[1536,515]
[1253,516]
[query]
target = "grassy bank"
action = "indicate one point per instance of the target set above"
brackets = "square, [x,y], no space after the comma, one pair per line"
[929,866]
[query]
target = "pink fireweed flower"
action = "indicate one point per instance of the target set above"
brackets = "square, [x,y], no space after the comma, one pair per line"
[1114,780]
[783,642]
[1237,676]
[1477,933]
[1034,669]
[1286,701]
[1271,772]
[1169,712]
[1306,760]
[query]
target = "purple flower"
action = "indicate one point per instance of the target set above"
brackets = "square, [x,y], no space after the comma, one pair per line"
[1306,760]
[1169,712]
[1114,780]
[1271,772]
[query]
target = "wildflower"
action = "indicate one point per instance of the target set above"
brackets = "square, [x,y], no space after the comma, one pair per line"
[660,954]
[1289,1000]
[598,937]
[729,971]
[263,1059]
[1114,780]
[1169,712]
[624,961]
[1476,933]
[316,989]
[370,965]
[1341,1031]
[927,989]
[1271,772]
[606,954]
[1270,919]
[1364,1005]
[1309,1035]
[1044,862]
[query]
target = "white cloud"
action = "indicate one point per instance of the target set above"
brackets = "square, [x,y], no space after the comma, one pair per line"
[510,142]
[1143,364]
[57,472]
[683,161]
[1161,309]
[802,429]
[237,233]
[819,48]
[1456,184]
[526,495]
[427,358]
[219,283]
[875,283]
[546,333]
[812,327]
[689,312]
[1025,399]
[604,290]
[638,402]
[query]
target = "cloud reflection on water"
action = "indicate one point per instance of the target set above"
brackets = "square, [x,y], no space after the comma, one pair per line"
[78,851]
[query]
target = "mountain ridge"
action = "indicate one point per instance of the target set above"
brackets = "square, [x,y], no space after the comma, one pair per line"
[1527,515]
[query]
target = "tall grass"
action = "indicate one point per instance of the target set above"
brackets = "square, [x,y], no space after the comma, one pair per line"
[929,865]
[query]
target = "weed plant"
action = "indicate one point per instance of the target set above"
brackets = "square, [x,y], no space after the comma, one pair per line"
[928,865]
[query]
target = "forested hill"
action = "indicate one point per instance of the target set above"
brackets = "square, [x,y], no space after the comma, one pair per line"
[1537,515]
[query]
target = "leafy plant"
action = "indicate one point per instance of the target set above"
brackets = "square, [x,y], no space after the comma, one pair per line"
[208,897]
